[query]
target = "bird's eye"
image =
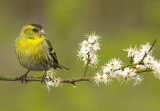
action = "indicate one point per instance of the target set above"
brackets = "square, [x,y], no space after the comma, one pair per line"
[35,30]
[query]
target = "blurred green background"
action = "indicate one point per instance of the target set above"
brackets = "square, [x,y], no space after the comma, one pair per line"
[119,23]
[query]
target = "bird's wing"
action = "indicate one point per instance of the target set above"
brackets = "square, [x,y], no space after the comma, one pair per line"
[53,55]
[51,51]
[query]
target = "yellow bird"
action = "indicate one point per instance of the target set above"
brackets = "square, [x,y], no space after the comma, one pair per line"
[34,51]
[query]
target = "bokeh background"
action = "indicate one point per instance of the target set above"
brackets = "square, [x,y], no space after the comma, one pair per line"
[119,23]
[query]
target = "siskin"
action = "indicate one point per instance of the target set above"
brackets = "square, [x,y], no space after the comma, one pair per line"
[34,51]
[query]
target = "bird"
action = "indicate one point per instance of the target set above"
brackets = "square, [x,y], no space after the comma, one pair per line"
[34,51]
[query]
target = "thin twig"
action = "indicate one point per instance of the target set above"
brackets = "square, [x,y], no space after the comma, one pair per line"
[144,70]
[141,62]
[85,71]
[131,61]
[128,65]
[148,51]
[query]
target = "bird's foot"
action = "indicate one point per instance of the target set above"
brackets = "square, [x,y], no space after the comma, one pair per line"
[43,79]
[23,78]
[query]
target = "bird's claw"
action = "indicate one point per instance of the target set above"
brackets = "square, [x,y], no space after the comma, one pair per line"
[23,78]
[43,79]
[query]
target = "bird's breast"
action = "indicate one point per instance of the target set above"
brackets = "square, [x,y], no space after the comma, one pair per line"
[32,54]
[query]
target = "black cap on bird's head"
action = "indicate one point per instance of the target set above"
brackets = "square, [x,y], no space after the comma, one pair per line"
[40,28]
[37,25]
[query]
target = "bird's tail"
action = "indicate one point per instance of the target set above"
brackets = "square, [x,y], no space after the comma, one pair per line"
[60,67]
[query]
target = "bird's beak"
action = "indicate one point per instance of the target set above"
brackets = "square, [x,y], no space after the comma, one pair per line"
[42,32]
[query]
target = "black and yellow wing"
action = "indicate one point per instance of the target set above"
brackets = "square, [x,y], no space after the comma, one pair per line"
[54,56]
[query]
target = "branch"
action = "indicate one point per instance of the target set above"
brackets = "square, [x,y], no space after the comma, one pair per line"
[10,78]
[73,80]
[144,70]
[85,71]
[148,51]
[77,79]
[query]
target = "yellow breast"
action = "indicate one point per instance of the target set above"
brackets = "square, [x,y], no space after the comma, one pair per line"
[29,50]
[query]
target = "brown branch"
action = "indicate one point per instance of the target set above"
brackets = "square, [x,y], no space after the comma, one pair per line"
[9,78]
[73,80]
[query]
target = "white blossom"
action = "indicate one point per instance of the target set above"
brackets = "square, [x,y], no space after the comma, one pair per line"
[128,73]
[148,61]
[49,74]
[145,48]
[114,64]
[87,52]
[56,82]
[98,78]
[92,38]
[137,56]
[155,63]
[156,69]
[106,69]
[93,59]
[96,46]
[138,79]
[113,69]
[85,48]
[117,74]
[48,84]
[50,80]
[102,79]
[131,51]
[106,79]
